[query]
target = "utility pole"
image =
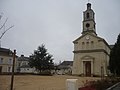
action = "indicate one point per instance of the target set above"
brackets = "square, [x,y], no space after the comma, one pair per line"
[12,77]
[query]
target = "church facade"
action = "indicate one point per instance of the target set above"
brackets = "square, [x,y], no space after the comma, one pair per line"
[91,53]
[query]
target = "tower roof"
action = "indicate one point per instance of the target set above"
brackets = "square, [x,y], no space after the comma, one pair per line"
[88,6]
[89,20]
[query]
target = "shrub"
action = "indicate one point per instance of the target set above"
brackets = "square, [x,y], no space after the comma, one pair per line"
[100,84]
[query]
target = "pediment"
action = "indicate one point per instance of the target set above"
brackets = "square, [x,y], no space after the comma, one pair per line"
[94,36]
[87,57]
[91,35]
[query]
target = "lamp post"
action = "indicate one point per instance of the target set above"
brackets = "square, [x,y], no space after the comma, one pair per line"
[12,77]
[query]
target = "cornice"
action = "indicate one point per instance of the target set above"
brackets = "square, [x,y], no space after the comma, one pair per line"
[91,51]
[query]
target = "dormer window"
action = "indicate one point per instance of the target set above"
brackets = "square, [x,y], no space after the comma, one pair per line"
[87,15]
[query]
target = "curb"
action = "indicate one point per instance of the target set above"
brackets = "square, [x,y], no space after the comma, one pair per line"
[110,88]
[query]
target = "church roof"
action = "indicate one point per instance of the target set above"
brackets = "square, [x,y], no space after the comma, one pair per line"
[85,35]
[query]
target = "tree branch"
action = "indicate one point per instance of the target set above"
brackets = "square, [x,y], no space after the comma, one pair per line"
[4,24]
[6,31]
[1,16]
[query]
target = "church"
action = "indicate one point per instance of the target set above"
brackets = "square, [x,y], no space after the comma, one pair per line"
[91,52]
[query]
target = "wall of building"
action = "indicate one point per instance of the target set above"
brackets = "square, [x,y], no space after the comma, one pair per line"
[94,47]
[6,64]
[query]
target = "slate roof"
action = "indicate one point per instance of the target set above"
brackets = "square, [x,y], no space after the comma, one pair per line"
[4,51]
[65,64]
[22,58]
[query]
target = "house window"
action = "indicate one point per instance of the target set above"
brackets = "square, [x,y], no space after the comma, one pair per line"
[24,63]
[0,69]
[9,68]
[10,61]
[19,64]
[1,60]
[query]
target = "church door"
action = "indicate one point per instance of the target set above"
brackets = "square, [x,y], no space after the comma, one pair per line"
[88,68]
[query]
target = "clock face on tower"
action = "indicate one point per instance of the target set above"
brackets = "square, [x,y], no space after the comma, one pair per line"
[87,25]
[87,37]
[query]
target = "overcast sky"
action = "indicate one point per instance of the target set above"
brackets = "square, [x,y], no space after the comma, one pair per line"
[55,23]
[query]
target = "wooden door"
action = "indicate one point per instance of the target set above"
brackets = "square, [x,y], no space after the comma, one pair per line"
[88,68]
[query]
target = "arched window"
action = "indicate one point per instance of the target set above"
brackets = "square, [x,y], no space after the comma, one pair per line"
[83,44]
[92,44]
[87,42]
[87,15]
[87,45]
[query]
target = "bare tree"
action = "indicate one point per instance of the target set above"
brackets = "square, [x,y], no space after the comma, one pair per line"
[3,28]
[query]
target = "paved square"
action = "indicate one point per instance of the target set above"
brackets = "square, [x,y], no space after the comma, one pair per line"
[36,82]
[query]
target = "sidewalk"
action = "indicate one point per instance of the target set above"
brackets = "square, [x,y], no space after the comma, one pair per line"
[115,87]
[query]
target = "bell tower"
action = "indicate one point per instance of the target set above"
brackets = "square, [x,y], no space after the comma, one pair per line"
[91,52]
[89,21]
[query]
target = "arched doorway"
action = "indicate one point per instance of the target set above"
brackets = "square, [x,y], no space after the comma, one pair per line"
[87,68]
